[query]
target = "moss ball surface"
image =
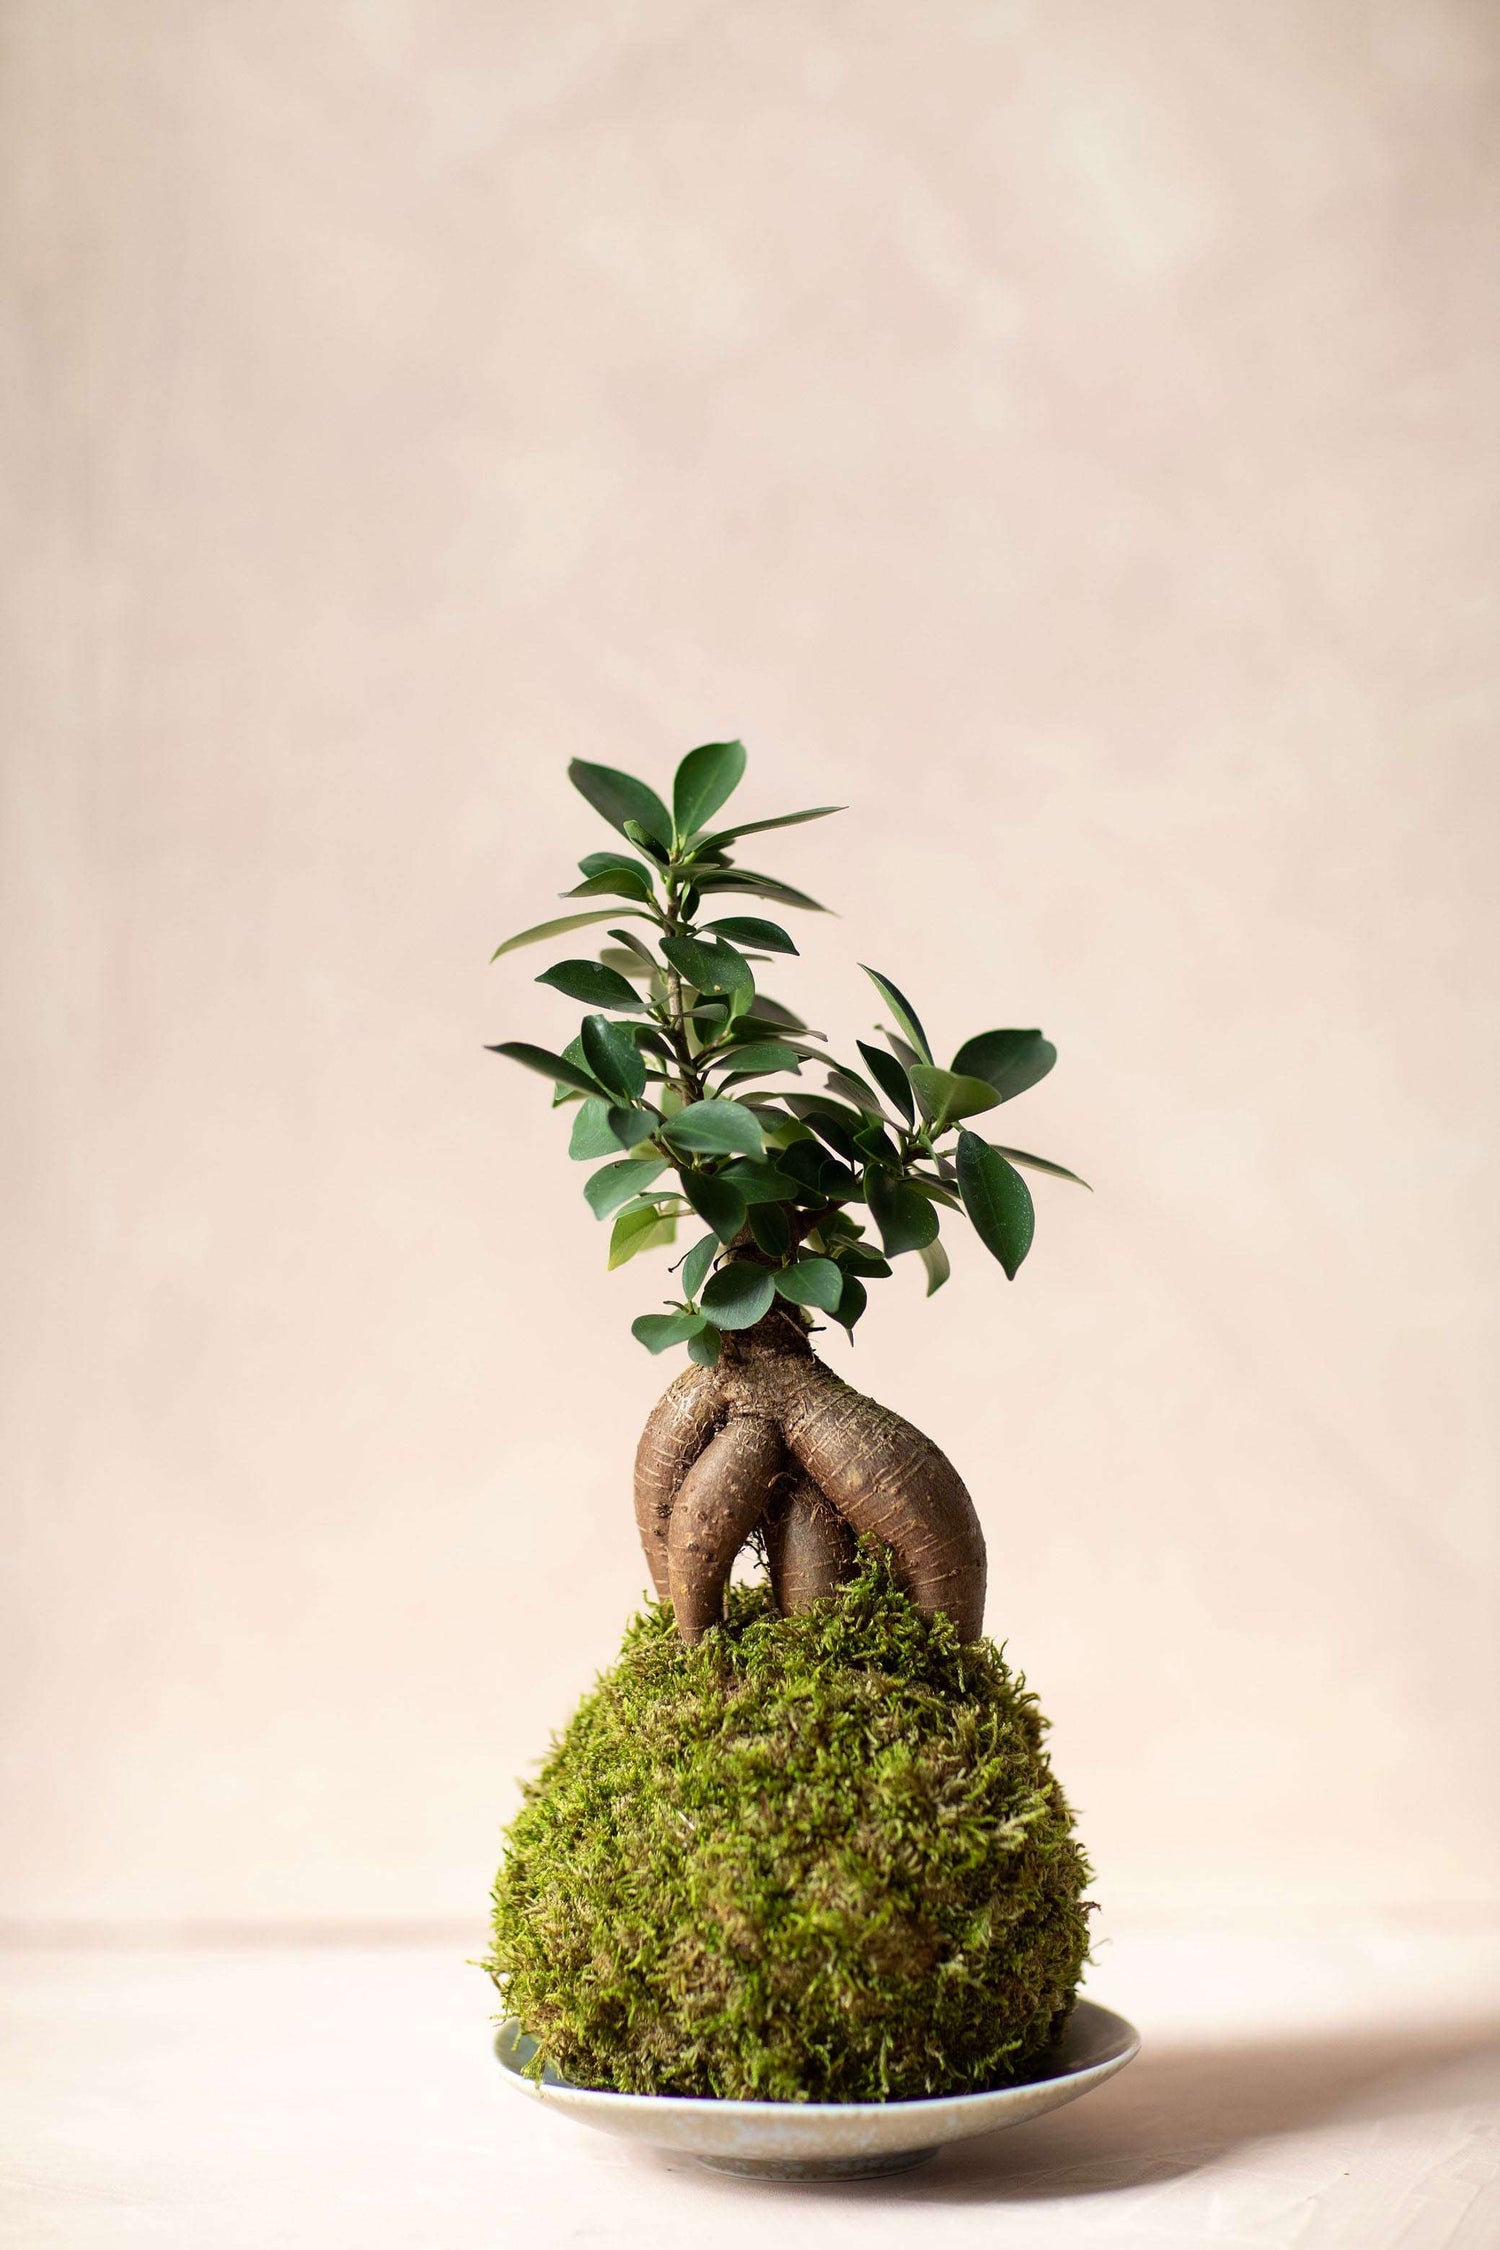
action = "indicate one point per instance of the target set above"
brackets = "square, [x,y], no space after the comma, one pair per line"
[819,1858]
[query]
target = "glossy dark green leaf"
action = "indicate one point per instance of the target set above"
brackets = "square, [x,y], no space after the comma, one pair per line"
[744,929]
[617,1183]
[890,1078]
[592,1134]
[853,1298]
[761,1183]
[633,1125]
[908,1023]
[658,1331]
[998,1201]
[771,1229]
[696,1264]
[844,1085]
[546,1064]
[724,836]
[947,1095]
[937,1190]
[717,1201]
[775,1015]
[557,928]
[705,778]
[738,1295]
[1041,1164]
[1010,1061]
[935,1258]
[614,1057]
[708,968]
[757,886]
[646,842]
[596,863]
[705,1347]
[716,1127]
[592,983]
[633,944]
[904,1216]
[613,882]
[635,1231]
[812,1281]
[620,797]
[875,1146]
[905,1055]
[757,1059]
[857,1257]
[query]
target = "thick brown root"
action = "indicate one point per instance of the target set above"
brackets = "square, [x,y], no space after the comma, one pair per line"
[891,1483]
[718,1505]
[810,1549]
[679,1427]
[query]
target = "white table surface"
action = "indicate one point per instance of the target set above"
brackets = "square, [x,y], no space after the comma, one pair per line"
[1294,2091]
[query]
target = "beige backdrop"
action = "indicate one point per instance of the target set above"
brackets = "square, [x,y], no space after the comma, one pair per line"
[1063,432]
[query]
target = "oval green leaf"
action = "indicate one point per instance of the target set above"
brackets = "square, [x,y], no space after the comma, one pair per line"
[935,1258]
[738,1295]
[853,1298]
[745,929]
[546,1064]
[1042,1164]
[907,1020]
[705,1347]
[705,778]
[592,983]
[623,881]
[812,1281]
[724,836]
[620,797]
[756,1059]
[717,1201]
[658,1331]
[635,1231]
[998,1201]
[946,1095]
[617,1183]
[592,1133]
[891,1079]
[696,1264]
[716,1127]
[1010,1061]
[708,968]
[614,1058]
[771,1229]
[904,1216]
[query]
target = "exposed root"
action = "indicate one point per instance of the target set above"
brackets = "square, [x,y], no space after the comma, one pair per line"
[677,1429]
[718,1446]
[718,1504]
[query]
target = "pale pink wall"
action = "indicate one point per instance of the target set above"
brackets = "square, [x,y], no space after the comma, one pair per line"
[1064,432]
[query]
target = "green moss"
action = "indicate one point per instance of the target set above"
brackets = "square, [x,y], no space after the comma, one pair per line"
[821,1858]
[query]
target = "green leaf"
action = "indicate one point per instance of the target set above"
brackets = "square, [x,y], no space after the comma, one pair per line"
[906,1056]
[758,827]
[761,1183]
[633,944]
[546,1064]
[857,1257]
[617,1183]
[812,1281]
[705,1347]
[771,1229]
[907,1020]
[905,1218]
[632,1126]
[696,1264]
[592,1135]
[596,863]
[613,1057]
[1010,1061]
[614,882]
[704,779]
[644,841]
[890,1078]
[1041,1164]
[775,1015]
[592,983]
[620,797]
[853,1298]
[759,886]
[935,1258]
[738,1295]
[559,928]
[744,929]
[708,968]
[946,1095]
[658,1331]
[998,1201]
[716,1127]
[635,1231]
[716,1200]
[756,1060]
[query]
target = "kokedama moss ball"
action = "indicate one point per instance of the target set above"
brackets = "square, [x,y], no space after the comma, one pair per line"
[817,1858]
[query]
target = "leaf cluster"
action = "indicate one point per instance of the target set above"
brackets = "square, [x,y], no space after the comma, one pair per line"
[702,1097]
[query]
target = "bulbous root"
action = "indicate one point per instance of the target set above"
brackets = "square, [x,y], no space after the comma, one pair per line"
[772,1438]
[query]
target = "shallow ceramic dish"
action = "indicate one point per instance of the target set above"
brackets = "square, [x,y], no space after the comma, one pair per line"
[830,2140]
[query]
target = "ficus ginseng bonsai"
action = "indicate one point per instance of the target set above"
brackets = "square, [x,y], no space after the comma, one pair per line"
[692,1085]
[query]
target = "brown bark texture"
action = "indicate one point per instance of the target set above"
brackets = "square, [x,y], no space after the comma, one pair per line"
[773,1439]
